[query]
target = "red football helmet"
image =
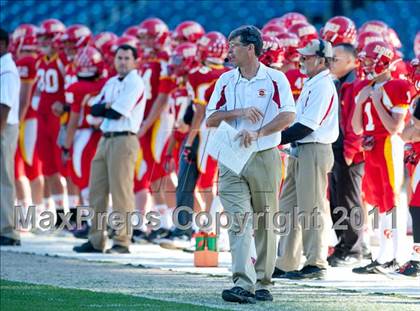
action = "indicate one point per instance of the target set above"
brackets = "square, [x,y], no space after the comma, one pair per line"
[183,59]
[339,29]
[103,42]
[365,38]
[129,40]
[375,26]
[50,32]
[131,31]
[77,35]
[393,39]
[416,45]
[290,43]
[213,47]
[275,21]
[273,30]
[24,38]
[153,33]
[376,58]
[89,62]
[188,31]
[289,19]
[272,53]
[305,32]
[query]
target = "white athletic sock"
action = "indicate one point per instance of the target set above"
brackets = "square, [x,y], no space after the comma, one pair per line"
[60,202]
[399,236]
[165,216]
[73,201]
[385,253]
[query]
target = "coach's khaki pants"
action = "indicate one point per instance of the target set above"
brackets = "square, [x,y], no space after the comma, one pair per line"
[8,144]
[304,197]
[254,191]
[112,171]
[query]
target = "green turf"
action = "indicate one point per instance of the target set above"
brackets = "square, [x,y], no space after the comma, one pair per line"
[16,296]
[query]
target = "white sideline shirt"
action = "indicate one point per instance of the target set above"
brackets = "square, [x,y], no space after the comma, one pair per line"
[10,87]
[126,96]
[269,91]
[317,108]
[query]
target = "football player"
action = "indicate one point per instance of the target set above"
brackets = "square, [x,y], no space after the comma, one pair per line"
[381,108]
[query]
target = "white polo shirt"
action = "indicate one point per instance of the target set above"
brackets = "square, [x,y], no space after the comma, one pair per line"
[10,87]
[317,108]
[269,91]
[126,96]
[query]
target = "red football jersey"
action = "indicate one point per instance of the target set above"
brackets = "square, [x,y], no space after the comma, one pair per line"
[296,80]
[27,71]
[79,94]
[200,79]
[50,73]
[178,103]
[156,80]
[70,76]
[396,97]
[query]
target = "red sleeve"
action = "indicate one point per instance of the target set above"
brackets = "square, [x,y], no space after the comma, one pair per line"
[27,68]
[399,92]
[73,98]
[352,143]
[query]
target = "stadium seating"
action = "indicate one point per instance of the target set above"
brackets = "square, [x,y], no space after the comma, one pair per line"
[213,15]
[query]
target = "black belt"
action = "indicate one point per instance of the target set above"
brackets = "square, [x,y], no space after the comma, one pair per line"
[296,144]
[115,134]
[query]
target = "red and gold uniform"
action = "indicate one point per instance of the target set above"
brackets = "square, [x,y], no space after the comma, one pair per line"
[27,162]
[384,170]
[199,81]
[50,84]
[86,138]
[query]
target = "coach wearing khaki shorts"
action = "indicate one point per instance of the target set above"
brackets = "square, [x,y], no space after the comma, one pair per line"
[121,103]
[257,101]
[304,194]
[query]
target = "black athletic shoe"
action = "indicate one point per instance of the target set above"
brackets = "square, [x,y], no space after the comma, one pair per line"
[376,268]
[336,260]
[118,249]
[86,248]
[278,273]
[83,232]
[238,294]
[307,272]
[411,268]
[263,295]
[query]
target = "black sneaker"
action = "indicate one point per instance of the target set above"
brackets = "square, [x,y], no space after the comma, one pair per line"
[118,249]
[263,295]
[411,268]
[83,232]
[344,260]
[307,272]
[238,294]
[278,273]
[368,269]
[390,266]
[157,235]
[139,236]
[86,248]
[5,241]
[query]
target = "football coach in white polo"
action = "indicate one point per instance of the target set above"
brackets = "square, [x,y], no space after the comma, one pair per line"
[258,102]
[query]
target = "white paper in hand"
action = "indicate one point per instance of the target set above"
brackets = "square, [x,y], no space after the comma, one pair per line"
[223,147]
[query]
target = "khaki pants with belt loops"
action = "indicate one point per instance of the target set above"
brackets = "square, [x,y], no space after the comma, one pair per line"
[256,190]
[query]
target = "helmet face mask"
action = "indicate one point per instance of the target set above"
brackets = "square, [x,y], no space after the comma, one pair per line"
[376,58]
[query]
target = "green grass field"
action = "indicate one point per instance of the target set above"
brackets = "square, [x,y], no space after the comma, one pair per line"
[17,296]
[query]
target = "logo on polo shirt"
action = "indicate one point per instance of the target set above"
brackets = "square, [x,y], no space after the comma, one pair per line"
[261,92]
